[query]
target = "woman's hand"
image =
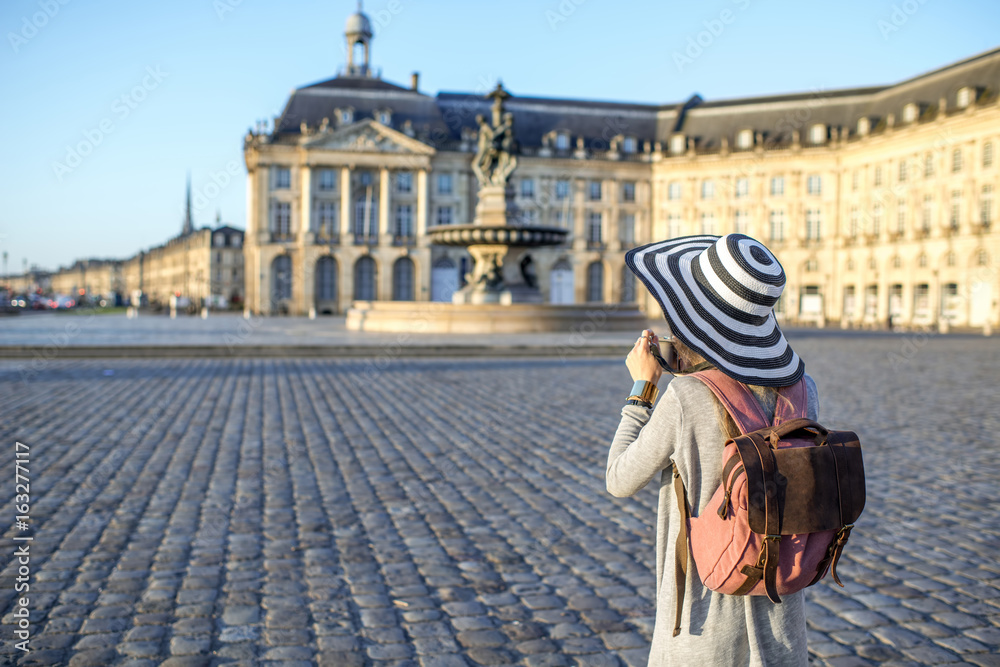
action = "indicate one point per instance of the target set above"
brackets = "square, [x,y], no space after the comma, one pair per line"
[641,363]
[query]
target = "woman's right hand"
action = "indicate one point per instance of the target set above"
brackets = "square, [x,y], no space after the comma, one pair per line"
[641,363]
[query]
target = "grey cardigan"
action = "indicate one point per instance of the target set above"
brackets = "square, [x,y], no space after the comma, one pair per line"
[718,630]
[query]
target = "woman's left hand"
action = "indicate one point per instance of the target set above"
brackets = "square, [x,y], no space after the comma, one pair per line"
[641,363]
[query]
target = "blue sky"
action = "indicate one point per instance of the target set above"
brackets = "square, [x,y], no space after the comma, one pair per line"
[154,89]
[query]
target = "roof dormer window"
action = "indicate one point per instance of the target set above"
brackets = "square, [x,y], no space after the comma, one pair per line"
[628,145]
[677,144]
[817,134]
[964,97]
[744,140]
[910,113]
[864,126]
[562,141]
[346,115]
[385,117]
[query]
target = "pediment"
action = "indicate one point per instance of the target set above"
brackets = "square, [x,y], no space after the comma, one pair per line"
[366,136]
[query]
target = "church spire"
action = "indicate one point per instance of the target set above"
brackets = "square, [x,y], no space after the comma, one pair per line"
[188,222]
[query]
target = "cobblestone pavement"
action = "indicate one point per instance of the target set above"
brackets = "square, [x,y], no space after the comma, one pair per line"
[250,511]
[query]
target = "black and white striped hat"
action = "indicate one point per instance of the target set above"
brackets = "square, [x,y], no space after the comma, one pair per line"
[718,295]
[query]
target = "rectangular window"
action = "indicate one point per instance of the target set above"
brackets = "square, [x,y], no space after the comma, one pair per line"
[902,170]
[404,221]
[366,217]
[855,227]
[813,224]
[563,219]
[956,160]
[741,222]
[673,225]
[927,214]
[778,186]
[628,229]
[628,191]
[855,180]
[708,223]
[901,217]
[444,215]
[444,184]
[929,165]
[562,141]
[327,179]
[562,189]
[674,190]
[593,228]
[629,145]
[281,178]
[986,206]
[404,182]
[708,189]
[878,176]
[742,187]
[814,185]
[326,219]
[528,188]
[281,218]
[955,216]
[594,191]
[988,154]
[877,212]
[777,220]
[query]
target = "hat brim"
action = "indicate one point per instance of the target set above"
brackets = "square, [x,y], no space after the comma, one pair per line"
[753,352]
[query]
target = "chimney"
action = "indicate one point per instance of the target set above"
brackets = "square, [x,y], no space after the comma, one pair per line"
[414,80]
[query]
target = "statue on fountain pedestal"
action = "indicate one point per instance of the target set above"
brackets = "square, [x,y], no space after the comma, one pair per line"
[495,157]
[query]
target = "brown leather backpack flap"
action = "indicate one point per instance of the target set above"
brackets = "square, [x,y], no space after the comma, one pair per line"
[814,488]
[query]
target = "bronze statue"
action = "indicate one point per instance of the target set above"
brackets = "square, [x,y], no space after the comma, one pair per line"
[495,155]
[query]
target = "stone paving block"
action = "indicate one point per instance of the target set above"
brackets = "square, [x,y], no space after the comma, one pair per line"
[331,550]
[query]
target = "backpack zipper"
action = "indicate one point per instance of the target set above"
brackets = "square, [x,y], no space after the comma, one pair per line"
[729,492]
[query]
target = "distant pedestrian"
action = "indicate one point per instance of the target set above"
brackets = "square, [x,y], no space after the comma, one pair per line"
[717,295]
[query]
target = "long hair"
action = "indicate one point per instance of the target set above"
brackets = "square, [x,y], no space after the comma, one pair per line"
[766,396]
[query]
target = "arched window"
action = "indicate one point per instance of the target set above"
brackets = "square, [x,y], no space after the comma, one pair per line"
[595,282]
[326,284]
[281,278]
[402,279]
[364,279]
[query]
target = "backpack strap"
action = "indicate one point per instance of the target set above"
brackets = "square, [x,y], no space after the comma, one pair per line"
[680,550]
[793,402]
[739,401]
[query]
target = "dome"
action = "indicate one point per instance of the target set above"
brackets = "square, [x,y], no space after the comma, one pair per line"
[358,24]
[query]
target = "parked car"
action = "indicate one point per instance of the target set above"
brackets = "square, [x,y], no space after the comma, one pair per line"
[61,302]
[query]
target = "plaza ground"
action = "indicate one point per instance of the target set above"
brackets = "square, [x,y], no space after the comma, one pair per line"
[393,510]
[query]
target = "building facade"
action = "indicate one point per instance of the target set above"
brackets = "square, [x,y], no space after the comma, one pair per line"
[205,265]
[93,279]
[878,201]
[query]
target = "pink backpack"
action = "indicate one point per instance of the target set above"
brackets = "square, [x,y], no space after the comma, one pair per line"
[789,494]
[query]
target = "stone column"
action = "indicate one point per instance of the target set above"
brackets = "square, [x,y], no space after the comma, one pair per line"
[422,201]
[302,285]
[346,232]
[385,231]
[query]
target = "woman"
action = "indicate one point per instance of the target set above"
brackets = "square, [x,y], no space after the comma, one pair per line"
[717,295]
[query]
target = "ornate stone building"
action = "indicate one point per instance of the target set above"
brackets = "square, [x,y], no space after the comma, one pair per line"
[878,201]
[204,265]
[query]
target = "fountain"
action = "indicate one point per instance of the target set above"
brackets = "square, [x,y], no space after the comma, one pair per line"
[501,294]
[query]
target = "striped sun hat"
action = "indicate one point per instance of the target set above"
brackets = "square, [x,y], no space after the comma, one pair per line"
[718,295]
